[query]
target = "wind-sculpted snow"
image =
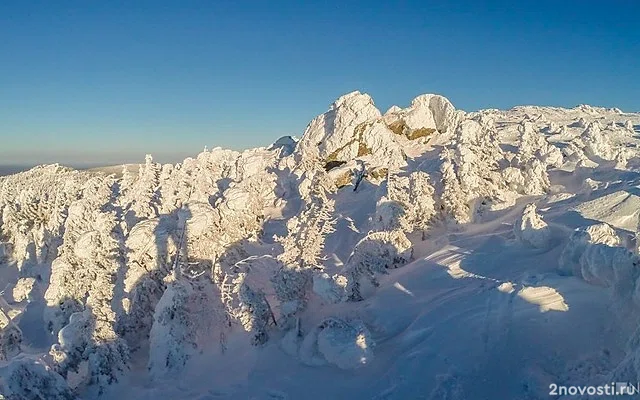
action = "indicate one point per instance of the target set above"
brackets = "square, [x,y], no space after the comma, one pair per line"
[531,229]
[580,240]
[295,254]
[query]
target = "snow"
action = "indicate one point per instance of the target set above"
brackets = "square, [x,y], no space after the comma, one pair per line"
[30,378]
[580,240]
[22,290]
[421,253]
[348,345]
[546,297]
[619,209]
[330,288]
[530,228]
[427,111]
[331,131]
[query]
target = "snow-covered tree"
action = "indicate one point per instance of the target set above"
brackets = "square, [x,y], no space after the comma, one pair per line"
[452,200]
[10,338]
[82,288]
[82,340]
[143,198]
[527,173]
[126,182]
[73,341]
[471,171]
[598,144]
[88,236]
[258,290]
[389,216]
[152,247]
[531,229]
[33,208]
[421,201]
[373,255]
[30,378]
[24,289]
[409,204]
[290,285]
[307,232]
[534,144]
[172,339]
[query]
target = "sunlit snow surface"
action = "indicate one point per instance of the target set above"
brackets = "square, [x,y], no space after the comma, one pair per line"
[483,255]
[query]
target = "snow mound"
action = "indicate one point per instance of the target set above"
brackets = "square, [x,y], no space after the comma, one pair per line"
[606,265]
[330,288]
[27,377]
[531,229]
[546,297]
[347,345]
[579,241]
[595,254]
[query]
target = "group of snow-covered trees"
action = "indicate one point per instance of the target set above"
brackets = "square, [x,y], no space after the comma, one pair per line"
[114,259]
[159,256]
[478,175]
[175,258]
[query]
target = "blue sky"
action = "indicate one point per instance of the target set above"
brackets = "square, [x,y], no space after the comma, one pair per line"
[107,82]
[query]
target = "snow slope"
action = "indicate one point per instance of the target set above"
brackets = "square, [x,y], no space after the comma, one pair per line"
[424,252]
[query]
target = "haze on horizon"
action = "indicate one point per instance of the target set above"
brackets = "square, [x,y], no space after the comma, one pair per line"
[91,84]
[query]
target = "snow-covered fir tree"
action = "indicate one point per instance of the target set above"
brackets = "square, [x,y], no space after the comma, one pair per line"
[304,244]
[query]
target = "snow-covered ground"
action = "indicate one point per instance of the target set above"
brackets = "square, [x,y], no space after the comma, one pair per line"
[424,252]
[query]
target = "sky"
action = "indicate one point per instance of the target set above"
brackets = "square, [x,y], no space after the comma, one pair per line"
[91,82]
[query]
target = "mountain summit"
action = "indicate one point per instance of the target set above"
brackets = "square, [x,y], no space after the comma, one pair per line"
[353,127]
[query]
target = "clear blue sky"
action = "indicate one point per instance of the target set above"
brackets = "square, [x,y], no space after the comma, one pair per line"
[108,81]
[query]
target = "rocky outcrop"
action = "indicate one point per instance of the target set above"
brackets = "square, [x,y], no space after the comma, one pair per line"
[428,113]
[334,132]
[354,128]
